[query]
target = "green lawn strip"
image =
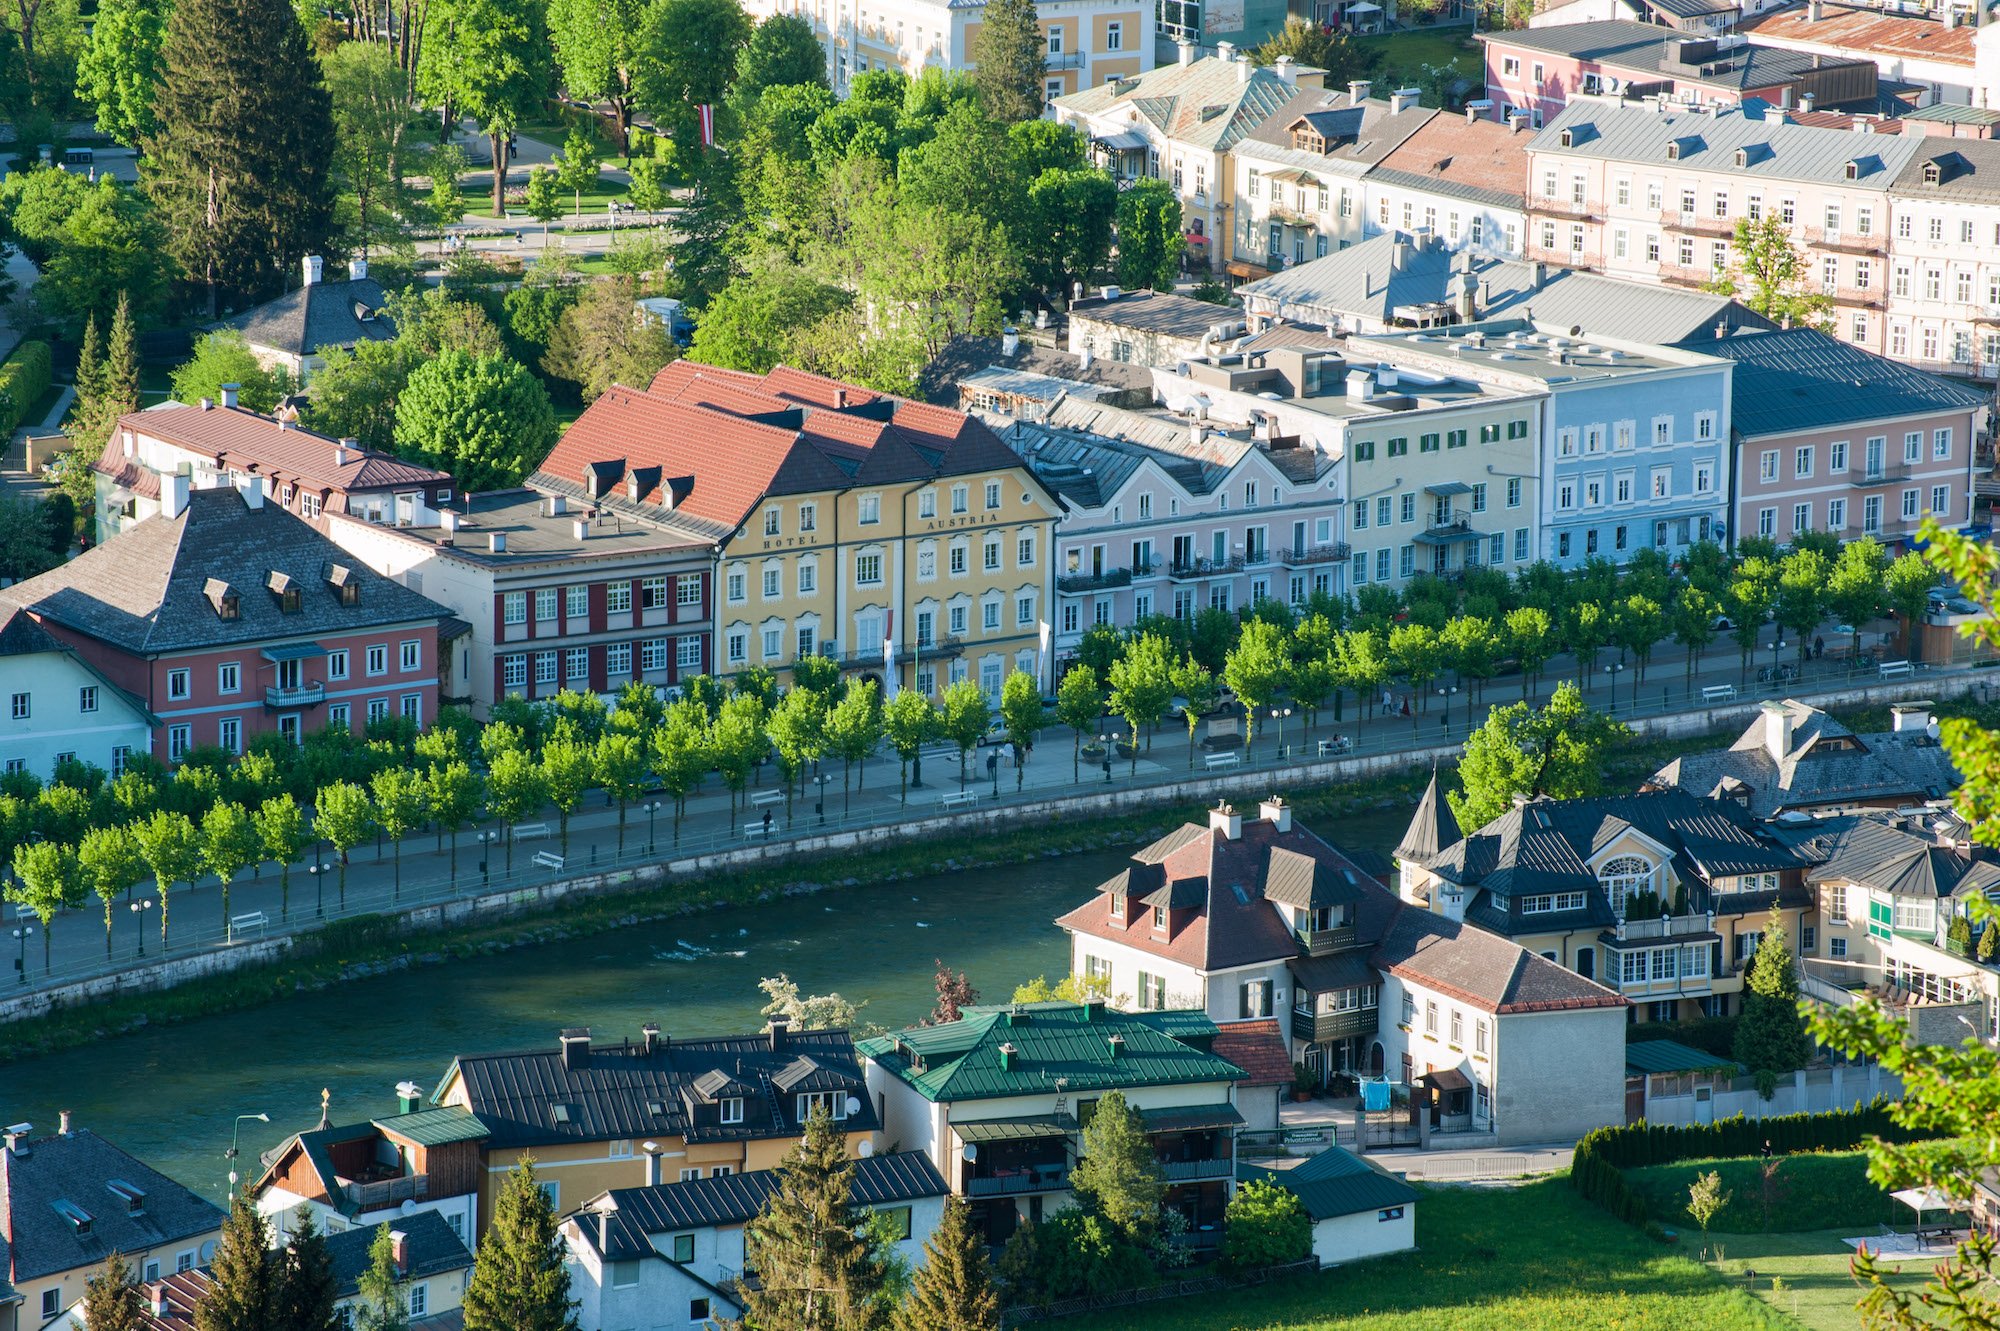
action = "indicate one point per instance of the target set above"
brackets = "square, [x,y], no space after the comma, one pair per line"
[1806,1192]
[1819,1288]
[1530,1258]
[1404,54]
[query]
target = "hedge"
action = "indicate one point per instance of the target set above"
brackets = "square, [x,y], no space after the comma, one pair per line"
[24,377]
[1711,1035]
[1596,1169]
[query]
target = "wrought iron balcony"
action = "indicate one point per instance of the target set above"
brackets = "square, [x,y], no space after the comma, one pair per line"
[1103,580]
[300,695]
[1189,1171]
[1337,553]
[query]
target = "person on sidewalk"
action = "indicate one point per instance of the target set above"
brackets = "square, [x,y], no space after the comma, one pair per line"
[767,824]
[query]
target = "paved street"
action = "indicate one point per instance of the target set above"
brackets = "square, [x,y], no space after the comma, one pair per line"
[199,922]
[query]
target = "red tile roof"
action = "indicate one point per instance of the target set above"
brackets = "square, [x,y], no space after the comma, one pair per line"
[1258,1047]
[248,441]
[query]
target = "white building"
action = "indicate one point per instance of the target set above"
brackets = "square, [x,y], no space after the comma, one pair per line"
[1944,258]
[671,1254]
[58,706]
[1357,1210]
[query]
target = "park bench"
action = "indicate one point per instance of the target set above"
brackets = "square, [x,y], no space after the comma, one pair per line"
[1719,693]
[757,829]
[958,798]
[531,831]
[1894,669]
[255,919]
[1338,744]
[764,797]
[1227,758]
[548,859]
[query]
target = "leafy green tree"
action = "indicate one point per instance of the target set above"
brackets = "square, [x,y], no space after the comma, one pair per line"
[1364,662]
[597,343]
[686,53]
[815,1271]
[595,55]
[47,880]
[1472,645]
[619,765]
[1555,750]
[1198,692]
[1079,704]
[1011,67]
[281,834]
[1906,589]
[111,1298]
[1771,1039]
[1586,632]
[647,188]
[229,844]
[1802,595]
[1068,220]
[797,730]
[953,1288]
[680,755]
[1264,1225]
[737,740]
[304,1290]
[1118,1177]
[1752,594]
[1256,670]
[111,864]
[1142,685]
[399,811]
[1693,620]
[380,1303]
[241,1276]
[542,201]
[852,730]
[1150,238]
[783,51]
[1855,590]
[238,164]
[1022,717]
[821,674]
[910,721]
[581,164]
[1772,276]
[120,66]
[754,322]
[109,247]
[489,59]
[1314,46]
[371,114]
[963,717]
[171,847]
[343,817]
[566,772]
[1640,625]
[485,419]
[452,791]
[224,358]
[446,203]
[519,1281]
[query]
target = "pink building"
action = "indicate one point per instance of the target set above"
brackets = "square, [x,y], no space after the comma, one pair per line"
[1828,437]
[227,617]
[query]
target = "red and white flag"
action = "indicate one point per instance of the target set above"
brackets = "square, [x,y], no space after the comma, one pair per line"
[706,112]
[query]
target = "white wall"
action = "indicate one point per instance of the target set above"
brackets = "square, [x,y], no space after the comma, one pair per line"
[1349,1238]
[53,683]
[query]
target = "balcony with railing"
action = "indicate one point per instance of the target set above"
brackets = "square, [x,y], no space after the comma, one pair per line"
[380,1193]
[1846,295]
[1204,568]
[1194,1171]
[1336,553]
[296,695]
[1097,580]
[1317,1027]
[1839,238]
[1886,473]
[1019,1180]
[1699,224]
[1675,926]
[1567,206]
[1319,942]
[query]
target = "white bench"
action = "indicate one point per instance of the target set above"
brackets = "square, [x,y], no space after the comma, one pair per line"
[757,829]
[1227,758]
[531,831]
[763,797]
[1719,693]
[548,859]
[957,798]
[1338,744]
[1894,669]
[256,919]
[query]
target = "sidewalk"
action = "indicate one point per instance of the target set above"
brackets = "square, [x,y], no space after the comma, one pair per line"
[711,824]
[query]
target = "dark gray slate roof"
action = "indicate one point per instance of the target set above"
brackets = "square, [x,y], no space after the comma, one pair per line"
[968,355]
[433,1250]
[1798,379]
[1647,47]
[1481,967]
[313,318]
[77,1171]
[146,592]
[1155,312]
[1825,763]
[1896,854]
[619,1090]
[1432,829]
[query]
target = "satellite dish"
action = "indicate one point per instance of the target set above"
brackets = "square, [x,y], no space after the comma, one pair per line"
[971,1151]
[853,1107]
[409,1206]
[866,1149]
[1576,330]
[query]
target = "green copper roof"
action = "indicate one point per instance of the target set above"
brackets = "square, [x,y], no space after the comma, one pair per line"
[1334,1183]
[963,1060]
[436,1127]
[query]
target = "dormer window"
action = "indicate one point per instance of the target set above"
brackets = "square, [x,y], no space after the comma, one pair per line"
[1117,905]
[1624,878]
[1307,139]
[223,597]
[345,583]
[1933,173]
[1569,138]
[832,1103]
[731,1109]
[1853,171]
[281,586]
[1160,919]
[1742,157]
[78,1218]
[133,1197]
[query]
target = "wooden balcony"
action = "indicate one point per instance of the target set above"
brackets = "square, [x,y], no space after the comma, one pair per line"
[387,1192]
[1319,1027]
[1319,942]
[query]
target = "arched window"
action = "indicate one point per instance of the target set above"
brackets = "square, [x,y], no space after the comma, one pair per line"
[1622,877]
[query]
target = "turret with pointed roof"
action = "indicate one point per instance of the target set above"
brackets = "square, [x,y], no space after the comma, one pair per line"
[1431,830]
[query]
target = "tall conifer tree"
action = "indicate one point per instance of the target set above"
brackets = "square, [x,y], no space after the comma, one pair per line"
[519,1282]
[815,1272]
[111,1298]
[304,1298]
[237,165]
[239,1292]
[954,1289]
[1013,67]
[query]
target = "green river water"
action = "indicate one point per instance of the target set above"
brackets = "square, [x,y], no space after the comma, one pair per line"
[170,1095]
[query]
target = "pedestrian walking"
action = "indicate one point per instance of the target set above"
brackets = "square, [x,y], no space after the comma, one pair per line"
[767,823]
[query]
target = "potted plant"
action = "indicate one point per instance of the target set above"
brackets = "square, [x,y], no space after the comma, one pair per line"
[1304,1083]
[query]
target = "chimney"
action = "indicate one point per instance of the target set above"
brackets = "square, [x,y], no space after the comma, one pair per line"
[840,399]
[1116,1044]
[1468,304]
[1358,89]
[357,270]
[1721,329]
[399,1248]
[776,1027]
[1541,275]
[1360,386]
[173,495]
[314,266]
[1225,51]
[1806,102]
[1223,818]
[1471,115]
[17,1138]
[580,529]
[229,392]
[1244,69]
[157,1294]
[1185,52]
[64,1121]
[1814,11]
[1905,718]
[1093,1009]
[1777,730]
[1112,292]
[252,491]
[343,450]
[575,1045]
[652,1150]
[557,506]
[1007,1055]
[1404,99]
[448,519]
[409,1097]
[497,542]
[1399,253]
[1287,69]
[649,1037]
[1010,341]
[1276,812]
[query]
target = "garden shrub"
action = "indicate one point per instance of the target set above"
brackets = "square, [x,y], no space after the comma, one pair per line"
[1265,1225]
[24,377]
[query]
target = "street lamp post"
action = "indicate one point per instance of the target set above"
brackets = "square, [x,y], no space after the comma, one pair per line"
[652,807]
[139,908]
[1278,714]
[21,936]
[1611,673]
[234,1135]
[486,839]
[319,872]
[1778,644]
[1446,691]
[1105,742]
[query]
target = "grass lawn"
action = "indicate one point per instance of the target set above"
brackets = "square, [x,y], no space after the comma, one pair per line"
[1404,54]
[1819,1291]
[1533,1258]
[1808,1192]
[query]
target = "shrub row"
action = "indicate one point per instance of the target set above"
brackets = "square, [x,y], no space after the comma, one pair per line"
[1596,1169]
[24,377]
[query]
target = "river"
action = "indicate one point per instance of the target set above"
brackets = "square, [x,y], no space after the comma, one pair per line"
[170,1095]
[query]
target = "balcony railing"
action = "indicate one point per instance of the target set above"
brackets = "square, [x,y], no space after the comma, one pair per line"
[1885,474]
[1319,1027]
[1841,239]
[1319,942]
[1568,207]
[387,1192]
[1035,1178]
[1189,1171]
[1205,568]
[1337,553]
[1699,224]
[1673,927]
[300,695]
[1101,580]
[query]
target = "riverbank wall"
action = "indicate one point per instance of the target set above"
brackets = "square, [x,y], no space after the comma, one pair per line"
[840,850]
